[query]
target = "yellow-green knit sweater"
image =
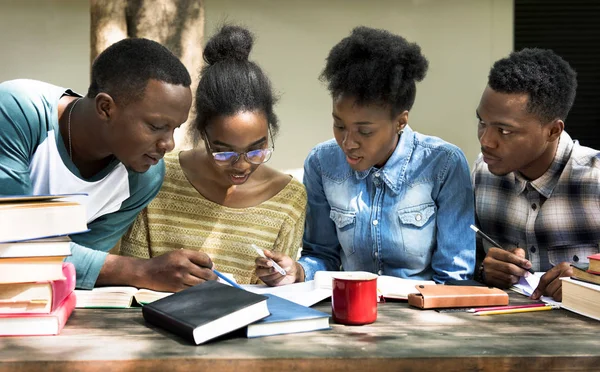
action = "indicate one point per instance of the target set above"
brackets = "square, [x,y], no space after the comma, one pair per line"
[179,217]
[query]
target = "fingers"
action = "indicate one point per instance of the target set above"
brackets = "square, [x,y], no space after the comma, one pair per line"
[550,283]
[198,258]
[518,252]
[263,263]
[276,256]
[272,279]
[514,259]
[503,268]
[267,273]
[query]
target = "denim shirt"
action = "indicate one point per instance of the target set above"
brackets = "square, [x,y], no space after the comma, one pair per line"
[409,219]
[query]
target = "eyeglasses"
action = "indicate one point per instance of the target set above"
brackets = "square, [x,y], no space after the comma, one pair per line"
[256,157]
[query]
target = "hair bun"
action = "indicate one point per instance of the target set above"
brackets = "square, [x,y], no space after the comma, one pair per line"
[231,42]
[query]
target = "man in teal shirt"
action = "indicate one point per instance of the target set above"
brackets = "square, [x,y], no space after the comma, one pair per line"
[109,145]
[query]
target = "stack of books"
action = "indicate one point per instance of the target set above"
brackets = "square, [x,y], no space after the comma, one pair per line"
[581,292]
[36,285]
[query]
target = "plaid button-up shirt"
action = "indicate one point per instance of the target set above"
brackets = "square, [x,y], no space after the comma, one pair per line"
[555,218]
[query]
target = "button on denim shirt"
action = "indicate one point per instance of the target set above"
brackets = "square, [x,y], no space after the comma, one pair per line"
[409,219]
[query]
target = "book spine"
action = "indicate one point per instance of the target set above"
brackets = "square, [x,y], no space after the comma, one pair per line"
[62,288]
[164,321]
[65,309]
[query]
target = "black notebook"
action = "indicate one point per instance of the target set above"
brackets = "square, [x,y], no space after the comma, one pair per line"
[206,311]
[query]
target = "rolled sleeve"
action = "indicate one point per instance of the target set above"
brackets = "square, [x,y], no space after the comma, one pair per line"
[88,262]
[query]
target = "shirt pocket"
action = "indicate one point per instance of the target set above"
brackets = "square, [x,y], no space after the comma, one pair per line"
[345,223]
[417,226]
[572,254]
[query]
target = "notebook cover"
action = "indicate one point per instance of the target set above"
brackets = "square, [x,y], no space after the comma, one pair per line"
[284,312]
[183,312]
[440,296]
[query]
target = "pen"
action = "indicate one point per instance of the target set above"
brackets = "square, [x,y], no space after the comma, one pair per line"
[278,268]
[491,241]
[513,311]
[226,279]
[509,307]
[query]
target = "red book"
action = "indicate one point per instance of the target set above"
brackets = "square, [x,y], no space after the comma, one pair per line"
[594,267]
[37,297]
[38,324]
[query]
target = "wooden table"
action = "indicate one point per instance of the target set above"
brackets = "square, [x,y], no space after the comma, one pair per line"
[402,338]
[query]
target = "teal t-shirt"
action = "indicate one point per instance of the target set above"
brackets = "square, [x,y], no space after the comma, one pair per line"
[35,161]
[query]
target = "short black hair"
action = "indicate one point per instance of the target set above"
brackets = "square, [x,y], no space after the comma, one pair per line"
[230,83]
[548,79]
[375,66]
[123,69]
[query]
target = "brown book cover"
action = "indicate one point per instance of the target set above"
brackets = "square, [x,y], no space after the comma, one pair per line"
[581,272]
[440,296]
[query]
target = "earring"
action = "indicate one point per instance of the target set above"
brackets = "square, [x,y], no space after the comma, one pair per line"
[400,131]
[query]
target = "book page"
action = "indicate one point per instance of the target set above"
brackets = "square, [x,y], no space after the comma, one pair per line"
[526,287]
[146,296]
[399,288]
[305,293]
[387,286]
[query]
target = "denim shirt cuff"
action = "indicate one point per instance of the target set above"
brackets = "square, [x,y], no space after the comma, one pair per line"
[310,268]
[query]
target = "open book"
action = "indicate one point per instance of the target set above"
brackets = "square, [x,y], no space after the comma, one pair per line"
[526,287]
[121,297]
[116,297]
[305,293]
[313,291]
[387,286]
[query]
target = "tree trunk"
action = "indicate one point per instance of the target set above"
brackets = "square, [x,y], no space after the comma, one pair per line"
[177,24]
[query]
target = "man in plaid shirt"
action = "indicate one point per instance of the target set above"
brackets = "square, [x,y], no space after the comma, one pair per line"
[537,192]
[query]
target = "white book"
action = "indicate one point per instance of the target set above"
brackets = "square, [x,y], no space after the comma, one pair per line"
[581,297]
[59,246]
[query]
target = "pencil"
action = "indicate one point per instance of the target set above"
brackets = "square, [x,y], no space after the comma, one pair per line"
[492,242]
[226,279]
[514,311]
[507,307]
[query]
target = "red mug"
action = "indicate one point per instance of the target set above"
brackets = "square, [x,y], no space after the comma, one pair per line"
[354,298]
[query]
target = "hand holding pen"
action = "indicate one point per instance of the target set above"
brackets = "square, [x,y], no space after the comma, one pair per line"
[503,268]
[276,269]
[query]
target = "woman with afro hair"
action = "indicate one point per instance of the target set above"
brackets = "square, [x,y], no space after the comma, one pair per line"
[381,197]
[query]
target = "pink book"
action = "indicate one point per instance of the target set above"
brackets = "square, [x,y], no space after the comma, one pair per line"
[37,297]
[38,324]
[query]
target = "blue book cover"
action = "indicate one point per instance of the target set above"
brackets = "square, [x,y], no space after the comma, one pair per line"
[287,317]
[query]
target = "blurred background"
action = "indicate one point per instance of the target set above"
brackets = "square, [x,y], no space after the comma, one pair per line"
[50,40]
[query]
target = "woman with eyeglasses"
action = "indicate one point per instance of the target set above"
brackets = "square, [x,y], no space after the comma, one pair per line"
[219,198]
[381,197]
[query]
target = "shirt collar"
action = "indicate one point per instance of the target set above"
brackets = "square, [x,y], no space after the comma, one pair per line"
[393,172]
[546,183]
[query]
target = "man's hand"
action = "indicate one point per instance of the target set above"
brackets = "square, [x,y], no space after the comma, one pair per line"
[550,284]
[177,270]
[503,268]
[266,272]
[170,272]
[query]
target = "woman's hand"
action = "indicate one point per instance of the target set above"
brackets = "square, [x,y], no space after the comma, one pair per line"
[270,276]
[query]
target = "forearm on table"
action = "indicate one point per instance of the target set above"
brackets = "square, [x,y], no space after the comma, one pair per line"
[120,270]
